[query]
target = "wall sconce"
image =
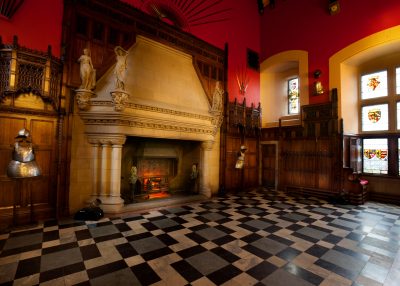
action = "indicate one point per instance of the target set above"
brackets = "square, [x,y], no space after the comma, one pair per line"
[318,88]
[334,7]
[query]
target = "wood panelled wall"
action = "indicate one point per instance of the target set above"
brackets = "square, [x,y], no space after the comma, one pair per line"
[30,98]
[308,155]
[241,127]
[305,159]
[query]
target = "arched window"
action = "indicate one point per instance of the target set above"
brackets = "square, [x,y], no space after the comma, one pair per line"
[379,112]
[293,96]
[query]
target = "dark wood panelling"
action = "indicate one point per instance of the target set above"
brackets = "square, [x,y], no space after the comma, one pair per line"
[241,127]
[310,160]
[268,164]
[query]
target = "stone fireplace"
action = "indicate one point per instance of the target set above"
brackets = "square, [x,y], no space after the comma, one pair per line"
[162,123]
[163,166]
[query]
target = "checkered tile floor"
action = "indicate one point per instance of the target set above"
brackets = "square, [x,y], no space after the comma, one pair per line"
[263,237]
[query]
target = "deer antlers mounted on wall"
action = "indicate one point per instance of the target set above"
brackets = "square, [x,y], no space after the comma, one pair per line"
[242,80]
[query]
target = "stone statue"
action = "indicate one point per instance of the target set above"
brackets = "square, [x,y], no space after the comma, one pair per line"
[218,98]
[23,164]
[240,158]
[120,67]
[133,179]
[88,73]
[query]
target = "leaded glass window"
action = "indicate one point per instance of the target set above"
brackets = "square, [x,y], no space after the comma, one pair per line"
[375,117]
[375,158]
[293,96]
[398,80]
[374,85]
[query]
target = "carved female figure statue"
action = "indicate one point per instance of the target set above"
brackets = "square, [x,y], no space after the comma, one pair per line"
[120,67]
[217,100]
[87,72]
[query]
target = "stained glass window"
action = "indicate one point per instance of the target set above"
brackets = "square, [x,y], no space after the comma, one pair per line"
[398,80]
[374,85]
[375,158]
[375,117]
[293,96]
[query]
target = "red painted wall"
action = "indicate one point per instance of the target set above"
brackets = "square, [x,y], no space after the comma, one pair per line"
[241,31]
[37,24]
[307,25]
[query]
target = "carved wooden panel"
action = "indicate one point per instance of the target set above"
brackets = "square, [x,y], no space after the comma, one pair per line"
[268,157]
[251,169]
[232,180]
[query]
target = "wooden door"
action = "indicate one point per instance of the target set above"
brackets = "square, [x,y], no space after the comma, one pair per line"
[43,188]
[269,164]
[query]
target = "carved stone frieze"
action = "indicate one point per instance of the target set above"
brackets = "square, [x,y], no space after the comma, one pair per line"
[155,109]
[106,139]
[83,97]
[119,98]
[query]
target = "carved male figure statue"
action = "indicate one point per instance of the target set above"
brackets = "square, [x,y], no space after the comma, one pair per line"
[120,67]
[87,72]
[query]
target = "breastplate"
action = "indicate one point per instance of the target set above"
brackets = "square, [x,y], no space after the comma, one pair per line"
[23,164]
[23,153]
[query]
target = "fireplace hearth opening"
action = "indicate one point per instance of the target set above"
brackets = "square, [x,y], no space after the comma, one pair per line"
[154,168]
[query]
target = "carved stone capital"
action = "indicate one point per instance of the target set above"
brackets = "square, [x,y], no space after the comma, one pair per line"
[107,139]
[119,98]
[83,97]
[207,145]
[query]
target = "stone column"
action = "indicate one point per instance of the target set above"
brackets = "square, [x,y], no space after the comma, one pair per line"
[115,179]
[96,155]
[206,148]
[106,166]
[104,170]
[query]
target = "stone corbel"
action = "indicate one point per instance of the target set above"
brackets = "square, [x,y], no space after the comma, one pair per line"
[119,98]
[83,97]
[217,121]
